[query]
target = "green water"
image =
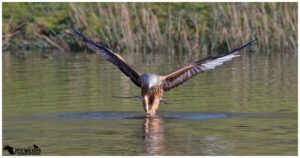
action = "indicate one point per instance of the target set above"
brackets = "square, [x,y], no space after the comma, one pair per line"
[64,103]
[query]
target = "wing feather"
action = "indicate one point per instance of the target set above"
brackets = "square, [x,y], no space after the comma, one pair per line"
[112,57]
[178,77]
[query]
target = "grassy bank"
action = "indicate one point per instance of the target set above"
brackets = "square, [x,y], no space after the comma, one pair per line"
[144,27]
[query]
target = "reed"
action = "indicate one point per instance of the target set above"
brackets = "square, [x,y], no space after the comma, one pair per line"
[171,27]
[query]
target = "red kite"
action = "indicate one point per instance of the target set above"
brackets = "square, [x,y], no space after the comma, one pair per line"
[152,85]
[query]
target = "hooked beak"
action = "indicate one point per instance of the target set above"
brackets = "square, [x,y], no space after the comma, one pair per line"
[149,85]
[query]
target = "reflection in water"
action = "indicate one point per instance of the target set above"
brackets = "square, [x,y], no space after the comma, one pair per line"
[155,141]
[154,135]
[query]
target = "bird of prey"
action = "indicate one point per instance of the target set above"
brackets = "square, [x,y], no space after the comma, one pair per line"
[152,85]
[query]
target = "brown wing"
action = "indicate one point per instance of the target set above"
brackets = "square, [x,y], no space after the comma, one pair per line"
[178,77]
[112,57]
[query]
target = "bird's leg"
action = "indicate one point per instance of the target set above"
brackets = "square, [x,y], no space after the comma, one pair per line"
[155,104]
[146,104]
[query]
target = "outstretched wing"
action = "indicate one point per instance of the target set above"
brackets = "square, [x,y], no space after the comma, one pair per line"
[178,77]
[112,57]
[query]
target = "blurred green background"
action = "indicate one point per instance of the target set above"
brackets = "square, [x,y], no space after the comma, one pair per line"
[155,27]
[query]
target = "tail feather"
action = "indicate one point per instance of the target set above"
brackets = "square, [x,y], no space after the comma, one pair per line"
[140,97]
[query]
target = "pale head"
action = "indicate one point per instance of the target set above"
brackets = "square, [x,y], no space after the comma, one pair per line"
[150,80]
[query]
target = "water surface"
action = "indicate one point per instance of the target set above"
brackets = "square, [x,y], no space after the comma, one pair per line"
[64,103]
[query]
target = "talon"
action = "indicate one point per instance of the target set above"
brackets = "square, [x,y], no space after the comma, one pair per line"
[149,113]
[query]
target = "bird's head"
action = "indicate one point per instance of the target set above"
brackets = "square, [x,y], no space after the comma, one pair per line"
[150,80]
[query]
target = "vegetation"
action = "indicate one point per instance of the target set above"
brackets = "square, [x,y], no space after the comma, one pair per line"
[144,27]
